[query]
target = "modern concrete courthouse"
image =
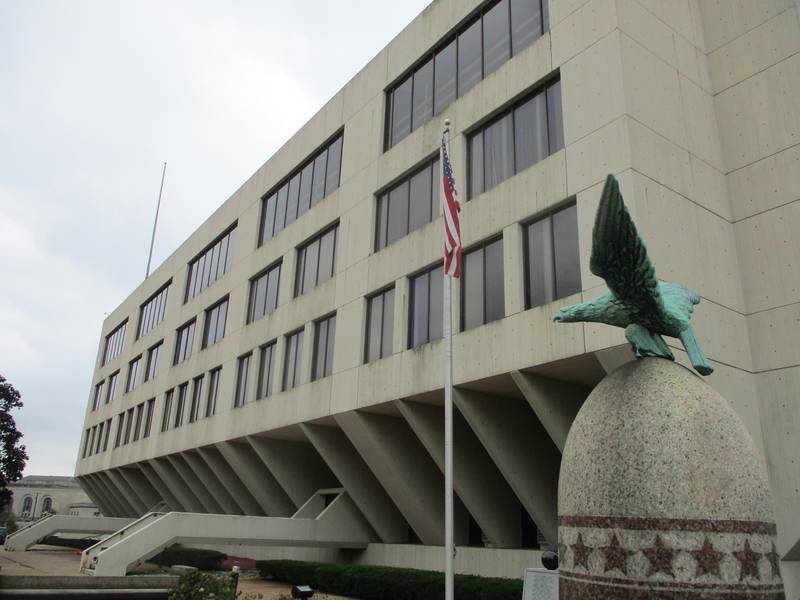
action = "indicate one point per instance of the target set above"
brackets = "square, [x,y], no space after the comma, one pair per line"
[292,343]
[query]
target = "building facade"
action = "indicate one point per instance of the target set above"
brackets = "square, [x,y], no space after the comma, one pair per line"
[292,342]
[36,496]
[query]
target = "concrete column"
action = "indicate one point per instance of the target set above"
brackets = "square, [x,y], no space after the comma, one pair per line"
[176,485]
[98,497]
[133,499]
[476,480]
[140,483]
[163,490]
[406,472]
[556,403]
[295,465]
[212,483]
[262,485]
[125,507]
[231,481]
[522,450]
[193,483]
[361,485]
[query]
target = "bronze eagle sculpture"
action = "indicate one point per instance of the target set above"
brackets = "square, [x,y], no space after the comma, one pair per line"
[637,301]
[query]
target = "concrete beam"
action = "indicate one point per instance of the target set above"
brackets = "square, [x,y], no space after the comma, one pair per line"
[126,509]
[91,489]
[556,403]
[176,485]
[407,473]
[117,510]
[132,498]
[522,450]
[140,483]
[361,485]
[194,484]
[476,480]
[296,466]
[231,481]
[257,478]
[212,483]
[163,489]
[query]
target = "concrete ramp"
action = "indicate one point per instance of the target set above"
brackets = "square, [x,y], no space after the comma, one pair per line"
[31,534]
[328,519]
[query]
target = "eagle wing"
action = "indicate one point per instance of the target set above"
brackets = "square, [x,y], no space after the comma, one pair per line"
[620,257]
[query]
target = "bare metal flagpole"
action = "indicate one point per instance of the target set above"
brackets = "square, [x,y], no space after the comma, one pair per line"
[447,330]
[155,221]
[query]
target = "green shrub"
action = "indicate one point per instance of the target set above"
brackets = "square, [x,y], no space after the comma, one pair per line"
[202,586]
[205,560]
[387,583]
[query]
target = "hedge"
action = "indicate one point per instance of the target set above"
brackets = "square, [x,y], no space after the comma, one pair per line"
[205,560]
[386,583]
[78,543]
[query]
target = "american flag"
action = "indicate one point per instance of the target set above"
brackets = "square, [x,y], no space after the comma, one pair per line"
[450,209]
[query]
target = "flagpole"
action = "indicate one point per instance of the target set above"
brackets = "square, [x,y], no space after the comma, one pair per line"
[155,222]
[447,330]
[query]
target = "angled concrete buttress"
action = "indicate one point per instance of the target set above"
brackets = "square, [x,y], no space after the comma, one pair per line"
[176,485]
[131,497]
[140,483]
[361,485]
[194,484]
[99,499]
[407,472]
[257,479]
[31,534]
[296,466]
[215,487]
[476,480]
[122,509]
[155,479]
[555,403]
[522,450]
[339,525]
[238,491]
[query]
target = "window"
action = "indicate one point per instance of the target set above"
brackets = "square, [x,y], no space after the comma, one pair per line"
[111,393]
[482,294]
[197,396]
[213,391]
[301,190]
[108,434]
[520,137]
[114,341]
[212,264]
[152,361]
[118,437]
[47,505]
[99,443]
[242,376]
[264,293]
[165,417]
[552,264]
[128,426]
[98,393]
[27,503]
[180,404]
[408,205]
[184,339]
[137,425]
[324,334]
[316,261]
[152,312]
[380,325]
[133,373]
[148,417]
[214,329]
[292,360]
[501,30]
[425,311]
[266,369]
[86,443]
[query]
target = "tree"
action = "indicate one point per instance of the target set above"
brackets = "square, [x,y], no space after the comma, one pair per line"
[13,455]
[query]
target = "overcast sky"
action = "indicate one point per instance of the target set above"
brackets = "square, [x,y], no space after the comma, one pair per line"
[94,97]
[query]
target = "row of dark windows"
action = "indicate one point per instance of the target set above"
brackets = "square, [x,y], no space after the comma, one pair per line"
[153,311]
[114,341]
[134,424]
[498,32]
[201,404]
[212,264]
[307,185]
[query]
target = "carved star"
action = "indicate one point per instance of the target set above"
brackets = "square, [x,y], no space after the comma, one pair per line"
[616,557]
[749,560]
[660,557]
[774,561]
[580,553]
[707,559]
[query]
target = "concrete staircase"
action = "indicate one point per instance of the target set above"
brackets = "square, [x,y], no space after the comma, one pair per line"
[328,519]
[31,534]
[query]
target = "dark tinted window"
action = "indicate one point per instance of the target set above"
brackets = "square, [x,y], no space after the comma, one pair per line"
[318,184]
[293,357]
[445,77]
[114,341]
[555,119]
[213,391]
[408,205]
[293,199]
[316,261]
[212,264]
[151,369]
[469,57]
[482,293]
[496,38]
[498,152]
[242,379]
[425,312]
[133,373]
[264,293]
[530,137]
[216,316]
[380,325]
[334,166]
[165,416]
[184,340]
[266,370]
[305,189]
[197,398]
[324,335]
[526,23]
[422,105]
[552,259]
[152,312]
[401,111]
[113,380]
[148,417]
[180,405]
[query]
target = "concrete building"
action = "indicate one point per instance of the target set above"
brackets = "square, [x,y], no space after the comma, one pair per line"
[38,495]
[290,344]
